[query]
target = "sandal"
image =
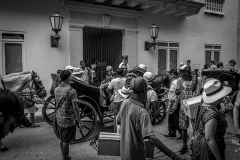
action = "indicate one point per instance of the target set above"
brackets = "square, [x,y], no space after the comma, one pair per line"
[4,149]
[35,125]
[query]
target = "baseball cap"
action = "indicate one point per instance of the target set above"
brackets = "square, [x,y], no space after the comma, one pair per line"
[138,84]
[174,71]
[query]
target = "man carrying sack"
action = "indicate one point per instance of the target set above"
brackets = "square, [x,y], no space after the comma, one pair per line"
[67,114]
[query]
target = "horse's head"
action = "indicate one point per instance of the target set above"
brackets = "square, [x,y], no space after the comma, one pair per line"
[38,85]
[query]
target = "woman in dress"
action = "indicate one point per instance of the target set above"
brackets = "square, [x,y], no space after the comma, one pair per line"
[208,140]
[187,85]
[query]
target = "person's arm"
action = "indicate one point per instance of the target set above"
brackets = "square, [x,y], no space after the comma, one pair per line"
[75,107]
[148,132]
[110,89]
[236,120]
[76,113]
[162,147]
[210,131]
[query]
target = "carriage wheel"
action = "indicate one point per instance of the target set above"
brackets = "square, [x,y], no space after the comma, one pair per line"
[161,113]
[48,109]
[89,119]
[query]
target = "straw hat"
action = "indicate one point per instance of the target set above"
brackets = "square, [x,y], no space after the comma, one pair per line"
[214,90]
[124,92]
[148,76]
[143,66]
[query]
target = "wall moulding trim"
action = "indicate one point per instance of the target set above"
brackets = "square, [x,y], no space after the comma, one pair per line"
[97,9]
[76,27]
[130,31]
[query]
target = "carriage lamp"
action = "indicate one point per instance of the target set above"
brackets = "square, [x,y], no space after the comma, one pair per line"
[56,23]
[154,35]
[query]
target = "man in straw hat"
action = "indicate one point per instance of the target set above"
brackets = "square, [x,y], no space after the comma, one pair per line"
[211,125]
[136,125]
[151,95]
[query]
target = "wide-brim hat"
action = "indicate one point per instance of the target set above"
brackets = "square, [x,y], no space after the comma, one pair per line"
[214,90]
[148,76]
[124,92]
[138,69]
[143,66]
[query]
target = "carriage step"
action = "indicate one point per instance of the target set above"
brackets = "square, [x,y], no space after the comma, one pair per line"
[110,114]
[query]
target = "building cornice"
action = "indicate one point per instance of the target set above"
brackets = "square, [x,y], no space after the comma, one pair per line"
[76,27]
[98,9]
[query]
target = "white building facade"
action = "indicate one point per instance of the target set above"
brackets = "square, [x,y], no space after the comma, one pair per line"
[188,30]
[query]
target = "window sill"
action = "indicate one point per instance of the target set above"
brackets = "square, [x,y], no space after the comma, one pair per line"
[214,13]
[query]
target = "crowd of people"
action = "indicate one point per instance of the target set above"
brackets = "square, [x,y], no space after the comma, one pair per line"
[129,94]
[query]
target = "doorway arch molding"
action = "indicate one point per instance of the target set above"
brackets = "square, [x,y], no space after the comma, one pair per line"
[129,43]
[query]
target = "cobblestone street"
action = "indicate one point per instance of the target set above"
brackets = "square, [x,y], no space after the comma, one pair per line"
[41,144]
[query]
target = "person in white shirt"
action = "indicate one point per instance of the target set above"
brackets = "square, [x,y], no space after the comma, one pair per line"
[151,95]
[173,117]
[116,97]
[124,63]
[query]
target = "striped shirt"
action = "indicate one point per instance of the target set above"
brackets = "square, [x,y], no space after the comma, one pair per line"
[65,113]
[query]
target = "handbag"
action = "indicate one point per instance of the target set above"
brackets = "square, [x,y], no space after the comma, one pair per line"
[54,117]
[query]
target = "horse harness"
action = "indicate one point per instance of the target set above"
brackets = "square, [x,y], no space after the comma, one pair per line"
[28,94]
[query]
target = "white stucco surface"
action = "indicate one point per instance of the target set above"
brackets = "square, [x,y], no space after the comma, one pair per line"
[192,33]
[32,17]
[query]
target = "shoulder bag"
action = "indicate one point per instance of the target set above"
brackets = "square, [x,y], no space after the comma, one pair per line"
[54,117]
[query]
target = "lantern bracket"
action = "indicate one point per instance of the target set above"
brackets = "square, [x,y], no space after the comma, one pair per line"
[55,39]
[149,45]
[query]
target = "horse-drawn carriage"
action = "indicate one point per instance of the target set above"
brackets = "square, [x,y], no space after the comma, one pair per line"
[92,110]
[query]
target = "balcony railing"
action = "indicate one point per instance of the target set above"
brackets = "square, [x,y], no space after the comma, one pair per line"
[214,7]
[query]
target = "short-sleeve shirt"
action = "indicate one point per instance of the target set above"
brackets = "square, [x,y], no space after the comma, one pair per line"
[65,114]
[135,126]
[151,96]
[84,76]
[115,85]
[237,101]
[172,89]
[122,64]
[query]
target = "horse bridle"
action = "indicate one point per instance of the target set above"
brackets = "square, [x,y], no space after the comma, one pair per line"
[29,95]
[38,88]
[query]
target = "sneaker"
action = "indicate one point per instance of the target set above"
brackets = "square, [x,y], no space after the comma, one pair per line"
[170,136]
[184,150]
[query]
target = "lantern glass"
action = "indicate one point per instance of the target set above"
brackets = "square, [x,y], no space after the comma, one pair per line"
[154,31]
[56,21]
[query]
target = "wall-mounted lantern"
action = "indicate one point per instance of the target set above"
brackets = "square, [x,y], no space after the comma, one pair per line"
[154,35]
[56,22]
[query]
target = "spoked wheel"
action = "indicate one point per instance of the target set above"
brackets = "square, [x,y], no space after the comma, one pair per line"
[160,115]
[89,119]
[49,109]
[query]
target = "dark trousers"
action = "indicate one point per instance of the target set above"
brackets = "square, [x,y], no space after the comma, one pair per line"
[173,123]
